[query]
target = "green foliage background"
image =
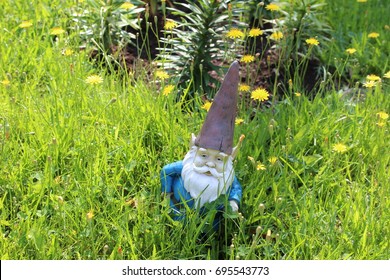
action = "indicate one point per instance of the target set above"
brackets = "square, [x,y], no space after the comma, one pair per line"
[79,162]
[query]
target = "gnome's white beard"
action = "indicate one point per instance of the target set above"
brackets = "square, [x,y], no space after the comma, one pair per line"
[205,188]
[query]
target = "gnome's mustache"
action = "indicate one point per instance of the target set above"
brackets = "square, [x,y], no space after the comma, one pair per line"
[206,169]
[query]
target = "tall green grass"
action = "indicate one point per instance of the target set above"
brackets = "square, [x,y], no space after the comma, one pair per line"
[80,163]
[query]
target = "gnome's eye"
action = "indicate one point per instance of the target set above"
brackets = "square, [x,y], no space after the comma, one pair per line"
[204,156]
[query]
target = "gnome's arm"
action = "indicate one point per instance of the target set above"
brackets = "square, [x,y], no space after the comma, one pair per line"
[235,194]
[167,175]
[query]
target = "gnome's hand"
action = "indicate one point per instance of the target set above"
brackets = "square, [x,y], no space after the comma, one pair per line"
[233,205]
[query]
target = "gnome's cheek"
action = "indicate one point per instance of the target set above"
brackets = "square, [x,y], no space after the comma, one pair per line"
[219,170]
[219,166]
[199,163]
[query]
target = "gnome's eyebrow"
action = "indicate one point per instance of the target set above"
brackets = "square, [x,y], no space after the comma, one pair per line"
[221,154]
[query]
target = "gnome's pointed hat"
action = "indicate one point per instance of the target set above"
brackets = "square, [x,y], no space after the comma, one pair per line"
[218,129]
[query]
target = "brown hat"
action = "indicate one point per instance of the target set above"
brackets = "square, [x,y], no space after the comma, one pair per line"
[218,129]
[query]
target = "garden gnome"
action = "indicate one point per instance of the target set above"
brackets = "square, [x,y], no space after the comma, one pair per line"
[207,171]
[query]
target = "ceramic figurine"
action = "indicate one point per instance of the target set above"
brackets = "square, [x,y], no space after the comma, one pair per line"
[207,170]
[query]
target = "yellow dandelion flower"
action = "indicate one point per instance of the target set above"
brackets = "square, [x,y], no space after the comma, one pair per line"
[56,31]
[273,160]
[207,105]
[235,33]
[5,82]
[312,42]
[67,52]
[383,115]
[362,1]
[161,74]
[260,166]
[239,121]
[26,24]
[126,6]
[243,88]
[247,58]
[168,89]
[297,94]
[90,215]
[350,50]
[276,36]
[373,78]
[260,94]
[94,80]
[170,24]
[369,84]
[254,32]
[272,7]
[339,148]
[373,35]
[381,124]
[387,75]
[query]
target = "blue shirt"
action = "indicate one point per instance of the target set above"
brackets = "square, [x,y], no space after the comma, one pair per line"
[171,182]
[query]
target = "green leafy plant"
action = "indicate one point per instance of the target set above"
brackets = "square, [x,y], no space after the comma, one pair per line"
[192,48]
[302,23]
[104,23]
[303,20]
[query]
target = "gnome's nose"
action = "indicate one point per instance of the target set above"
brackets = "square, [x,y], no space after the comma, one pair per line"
[210,164]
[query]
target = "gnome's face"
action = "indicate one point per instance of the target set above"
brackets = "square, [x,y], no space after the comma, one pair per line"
[207,174]
[210,162]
